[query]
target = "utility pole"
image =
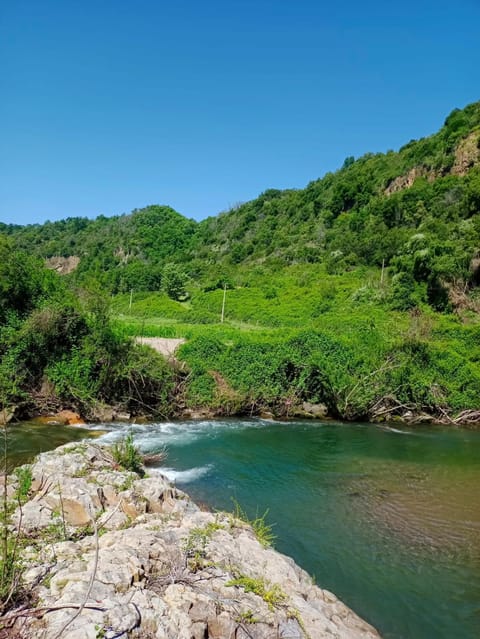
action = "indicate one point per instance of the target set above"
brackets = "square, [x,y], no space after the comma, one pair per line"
[131,299]
[383,270]
[223,303]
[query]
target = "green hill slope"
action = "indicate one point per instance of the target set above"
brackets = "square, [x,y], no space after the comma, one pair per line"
[415,211]
[118,252]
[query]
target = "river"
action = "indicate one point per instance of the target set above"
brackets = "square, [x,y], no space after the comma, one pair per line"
[386,517]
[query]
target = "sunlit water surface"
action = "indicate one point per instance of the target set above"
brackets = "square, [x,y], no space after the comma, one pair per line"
[388,518]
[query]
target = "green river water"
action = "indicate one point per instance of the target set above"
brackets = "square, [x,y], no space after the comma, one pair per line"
[388,518]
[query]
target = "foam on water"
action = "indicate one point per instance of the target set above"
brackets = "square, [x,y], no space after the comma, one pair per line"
[396,430]
[154,436]
[184,476]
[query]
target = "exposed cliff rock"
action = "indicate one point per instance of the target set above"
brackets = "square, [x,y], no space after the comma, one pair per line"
[111,555]
[62,265]
[406,181]
[467,154]
[465,157]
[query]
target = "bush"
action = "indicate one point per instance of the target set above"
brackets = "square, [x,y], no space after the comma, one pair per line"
[127,455]
[404,292]
[73,378]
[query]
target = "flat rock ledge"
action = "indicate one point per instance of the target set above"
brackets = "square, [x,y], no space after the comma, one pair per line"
[108,555]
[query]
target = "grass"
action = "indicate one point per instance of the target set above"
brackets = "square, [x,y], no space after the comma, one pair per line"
[127,455]
[272,594]
[263,531]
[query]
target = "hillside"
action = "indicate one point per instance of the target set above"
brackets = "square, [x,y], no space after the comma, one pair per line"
[113,251]
[415,211]
[368,208]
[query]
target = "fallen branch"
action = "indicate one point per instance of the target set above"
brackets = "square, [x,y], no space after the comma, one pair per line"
[470,416]
[40,612]
[388,365]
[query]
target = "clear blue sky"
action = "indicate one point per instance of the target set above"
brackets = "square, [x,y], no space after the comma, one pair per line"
[111,105]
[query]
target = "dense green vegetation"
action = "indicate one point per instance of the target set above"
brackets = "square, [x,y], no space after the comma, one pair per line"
[117,253]
[60,349]
[360,292]
[357,356]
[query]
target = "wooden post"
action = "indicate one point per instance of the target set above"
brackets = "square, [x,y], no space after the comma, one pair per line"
[223,303]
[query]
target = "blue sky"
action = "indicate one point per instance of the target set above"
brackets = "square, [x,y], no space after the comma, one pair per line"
[111,105]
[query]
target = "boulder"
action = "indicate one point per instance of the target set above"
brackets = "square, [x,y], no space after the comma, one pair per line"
[62,418]
[315,410]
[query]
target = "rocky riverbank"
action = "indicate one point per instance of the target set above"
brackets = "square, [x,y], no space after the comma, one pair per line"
[105,553]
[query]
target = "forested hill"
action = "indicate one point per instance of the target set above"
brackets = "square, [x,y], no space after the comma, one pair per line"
[415,210]
[114,251]
[369,208]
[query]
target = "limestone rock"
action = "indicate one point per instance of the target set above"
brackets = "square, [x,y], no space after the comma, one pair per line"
[6,415]
[158,566]
[104,414]
[61,264]
[222,627]
[315,410]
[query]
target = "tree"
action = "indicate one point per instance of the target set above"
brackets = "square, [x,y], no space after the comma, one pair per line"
[174,281]
[23,281]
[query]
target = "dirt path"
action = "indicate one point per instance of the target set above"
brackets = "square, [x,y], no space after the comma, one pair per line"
[166,346]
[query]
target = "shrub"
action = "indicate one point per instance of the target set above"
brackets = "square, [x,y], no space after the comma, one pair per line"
[127,455]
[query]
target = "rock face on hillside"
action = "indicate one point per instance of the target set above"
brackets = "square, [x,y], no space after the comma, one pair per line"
[466,156]
[112,555]
[62,265]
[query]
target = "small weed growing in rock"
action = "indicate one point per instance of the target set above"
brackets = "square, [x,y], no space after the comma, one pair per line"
[196,543]
[74,448]
[83,472]
[47,579]
[55,531]
[24,478]
[128,483]
[11,538]
[100,632]
[271,594]
[247,616]
[83,531]
[198,537]
[262,530]
[293,613]
[127,523]
[127,455]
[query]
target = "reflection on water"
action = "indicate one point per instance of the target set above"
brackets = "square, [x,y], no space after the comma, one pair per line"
[26,440]
[435,511]
[388,518]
